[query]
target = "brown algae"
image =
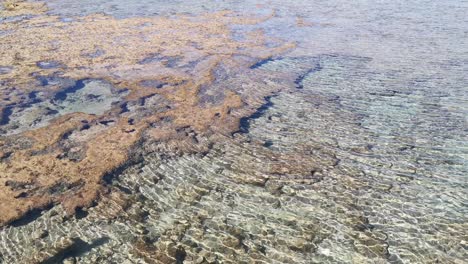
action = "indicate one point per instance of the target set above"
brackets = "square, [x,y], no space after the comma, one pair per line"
[75,149]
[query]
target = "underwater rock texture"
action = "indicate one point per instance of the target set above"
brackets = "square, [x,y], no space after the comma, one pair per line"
[178,132]
[81,77]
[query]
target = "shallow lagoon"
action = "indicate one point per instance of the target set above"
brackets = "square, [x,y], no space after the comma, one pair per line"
[378,111]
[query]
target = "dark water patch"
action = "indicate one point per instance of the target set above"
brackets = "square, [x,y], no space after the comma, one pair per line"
[245,121]
[261,63]
[107,122]
[268,143]
[76,249]
[122,92]
[80,213]
[30,216]
[180,255]
[32,95]
[33,99]
[124,108]
[85,126]
[62,95]
[5,116]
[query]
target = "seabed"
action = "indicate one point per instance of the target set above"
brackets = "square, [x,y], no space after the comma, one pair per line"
[233,131]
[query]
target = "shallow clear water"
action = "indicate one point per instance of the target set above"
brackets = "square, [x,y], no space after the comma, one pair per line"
[381,108]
